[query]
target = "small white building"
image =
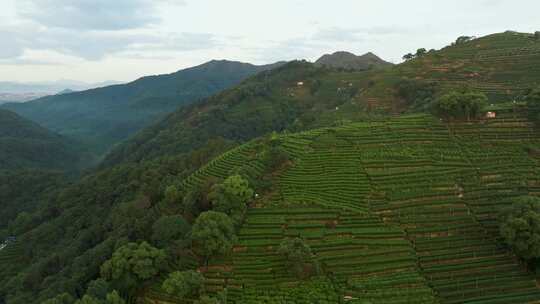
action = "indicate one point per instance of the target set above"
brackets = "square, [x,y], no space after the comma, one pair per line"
[300,84]
[490,115]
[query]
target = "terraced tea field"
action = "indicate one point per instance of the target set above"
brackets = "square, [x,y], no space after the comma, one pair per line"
[400,210]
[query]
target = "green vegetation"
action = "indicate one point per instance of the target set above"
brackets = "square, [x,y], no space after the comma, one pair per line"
[231,197]
[183,284]
[26,145]
[169,229]
[102,117]
[214,233]
[465,105]
[533,104]
[133,264]
[393,209]
[520,226]
[298,256]
[502,66]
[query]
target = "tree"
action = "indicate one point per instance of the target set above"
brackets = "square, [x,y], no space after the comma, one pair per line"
[214,233]
[86,299]
[172,196]
[183,283]
[208,300]
[537,35]
[408,56]
[533,105]
[132,264]
[114,298]
[519,225]
[297,254]
[231,197]
[421,52]
[463,39]
[98,289]
[460,105]
[64,298]
[169,229]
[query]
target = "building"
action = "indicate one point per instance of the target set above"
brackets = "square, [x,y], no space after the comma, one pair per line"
[491,115]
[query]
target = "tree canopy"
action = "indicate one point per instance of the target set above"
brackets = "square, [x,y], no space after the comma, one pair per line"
[231,197]
[533,103]
[464,104]
[297,253]
[183,283]
[170,229]
[132,264]
[214,233]
[520,226]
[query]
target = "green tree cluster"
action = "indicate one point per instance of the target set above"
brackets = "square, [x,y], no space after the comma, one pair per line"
[533,105]
[133,264]
[231,197]
[183,283]
[170,229]
[297,255]
[464,104]
[214,233]
[519,225]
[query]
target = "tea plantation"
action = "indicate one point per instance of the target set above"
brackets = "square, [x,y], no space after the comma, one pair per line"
[396,210]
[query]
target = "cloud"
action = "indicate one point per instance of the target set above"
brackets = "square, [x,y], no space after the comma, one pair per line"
[92,14]
[337,35]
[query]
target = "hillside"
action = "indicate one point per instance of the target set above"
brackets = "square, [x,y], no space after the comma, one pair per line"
[346,60]
[24,145]
[393,209]
[300,95]
[104,116]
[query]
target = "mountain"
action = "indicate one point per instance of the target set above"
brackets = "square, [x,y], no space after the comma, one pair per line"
[395,207]
[301,96]
[346,60]
[49,87]
[104,116]
[19,97]
[65,91]
[24,145]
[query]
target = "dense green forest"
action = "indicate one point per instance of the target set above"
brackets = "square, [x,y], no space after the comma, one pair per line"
[102,117]
[24,144]
[303,184]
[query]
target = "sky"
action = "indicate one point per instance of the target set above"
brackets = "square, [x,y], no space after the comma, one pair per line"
[99,40]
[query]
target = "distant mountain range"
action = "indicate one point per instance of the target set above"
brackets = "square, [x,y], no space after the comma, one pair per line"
[105,116]
[23,92]
[351,61]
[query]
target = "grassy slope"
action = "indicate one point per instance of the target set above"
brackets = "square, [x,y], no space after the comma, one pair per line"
[502,65]
[398,210]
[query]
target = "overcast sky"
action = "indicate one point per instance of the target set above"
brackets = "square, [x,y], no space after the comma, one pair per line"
[97,40]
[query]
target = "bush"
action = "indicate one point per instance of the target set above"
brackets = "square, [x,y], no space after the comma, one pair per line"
[183,284]
[169,229]
[133,264]
[231,197]
[214,233]
[520,226]
[460,105]
[298,255]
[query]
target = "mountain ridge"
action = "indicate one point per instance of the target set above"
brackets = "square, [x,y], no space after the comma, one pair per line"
[347,60]
[102,117]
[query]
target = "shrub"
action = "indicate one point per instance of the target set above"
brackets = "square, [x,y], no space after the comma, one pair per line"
[520,226]
[183,284]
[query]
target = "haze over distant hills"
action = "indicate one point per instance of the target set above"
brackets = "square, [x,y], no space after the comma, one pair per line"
[104,116]
[26,91]
[351,61]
